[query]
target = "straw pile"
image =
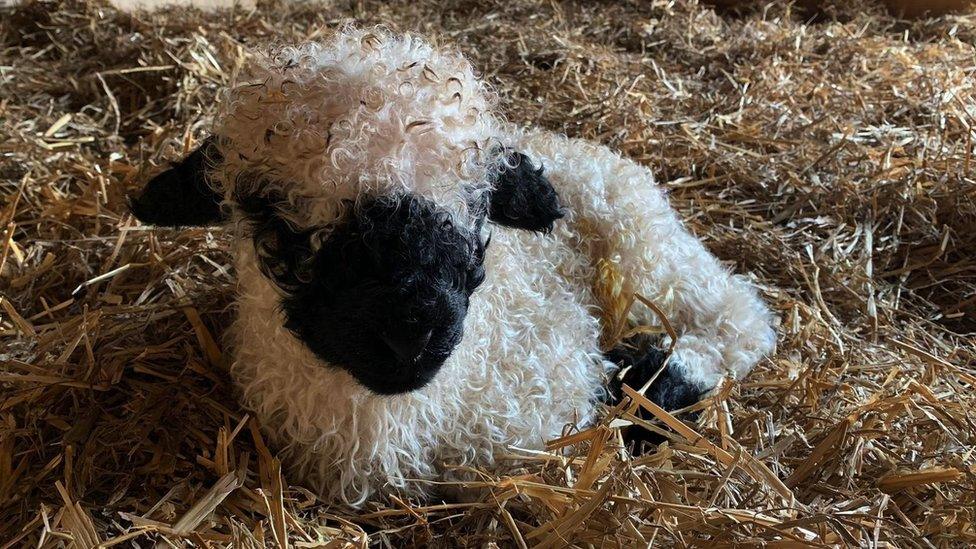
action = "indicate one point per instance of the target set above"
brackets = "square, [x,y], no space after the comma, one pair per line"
[905,8]
[828,155]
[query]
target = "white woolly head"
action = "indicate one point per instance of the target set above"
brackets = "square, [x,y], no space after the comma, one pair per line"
[322,125]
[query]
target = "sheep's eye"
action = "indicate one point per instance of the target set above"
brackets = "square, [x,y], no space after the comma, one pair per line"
[476,269]
[476,275]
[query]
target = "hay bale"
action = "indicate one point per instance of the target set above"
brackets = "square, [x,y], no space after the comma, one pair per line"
[830,159]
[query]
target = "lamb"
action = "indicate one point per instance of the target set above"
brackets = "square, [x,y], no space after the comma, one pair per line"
[416,275]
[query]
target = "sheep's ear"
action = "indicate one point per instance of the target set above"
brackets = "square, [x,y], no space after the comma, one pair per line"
[522,197]
[182,195]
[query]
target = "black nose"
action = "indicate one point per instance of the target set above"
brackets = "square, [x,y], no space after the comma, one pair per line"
[408,346]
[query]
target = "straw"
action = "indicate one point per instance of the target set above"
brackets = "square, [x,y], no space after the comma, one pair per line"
[826,154]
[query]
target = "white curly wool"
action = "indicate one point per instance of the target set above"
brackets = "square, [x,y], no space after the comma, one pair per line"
[365,113]
[369,112]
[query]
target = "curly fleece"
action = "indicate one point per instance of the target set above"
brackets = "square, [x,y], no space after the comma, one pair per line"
[368,112]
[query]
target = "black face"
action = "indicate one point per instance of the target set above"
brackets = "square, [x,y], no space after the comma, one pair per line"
[385,294]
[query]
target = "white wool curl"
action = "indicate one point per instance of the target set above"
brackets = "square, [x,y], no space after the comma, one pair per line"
[365,113]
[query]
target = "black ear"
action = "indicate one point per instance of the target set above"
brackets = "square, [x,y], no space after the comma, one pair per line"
[523,198]
[182,195]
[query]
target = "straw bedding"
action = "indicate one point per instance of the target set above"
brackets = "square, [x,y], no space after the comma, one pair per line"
[828,153]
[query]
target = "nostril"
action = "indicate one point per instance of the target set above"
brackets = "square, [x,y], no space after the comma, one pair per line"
[407,346]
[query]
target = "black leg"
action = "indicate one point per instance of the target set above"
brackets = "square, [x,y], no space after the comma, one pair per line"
[669,390]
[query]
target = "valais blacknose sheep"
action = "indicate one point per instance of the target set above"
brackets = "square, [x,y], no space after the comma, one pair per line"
[416,276]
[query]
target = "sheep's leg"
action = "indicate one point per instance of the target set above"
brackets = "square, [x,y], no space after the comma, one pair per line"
[623,217]
[722,326]
[669,389]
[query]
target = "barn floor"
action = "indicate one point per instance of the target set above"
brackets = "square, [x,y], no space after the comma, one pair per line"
[828,154]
